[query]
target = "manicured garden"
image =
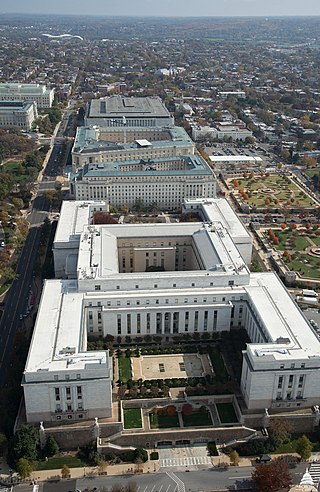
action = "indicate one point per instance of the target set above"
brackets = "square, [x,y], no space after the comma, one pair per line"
[132,418]
[226,412]
[269,190]
[57,462]
[164,418]
[295,245]
[198,418]
[124,368]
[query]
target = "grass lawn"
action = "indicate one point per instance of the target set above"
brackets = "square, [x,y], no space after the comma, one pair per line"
[310,269]
[11,166]
[57,462]
[218,364]
[132,418]
[312,172]
[124,368]
[163,421]
[197,419]
[316,240]
[226,412]
[280,188]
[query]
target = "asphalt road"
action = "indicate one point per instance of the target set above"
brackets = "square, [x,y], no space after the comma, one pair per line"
[17,298]
[196,481]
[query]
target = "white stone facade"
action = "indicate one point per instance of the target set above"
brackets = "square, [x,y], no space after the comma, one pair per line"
[164,181]
[37,93]
[17,114]
[205,286]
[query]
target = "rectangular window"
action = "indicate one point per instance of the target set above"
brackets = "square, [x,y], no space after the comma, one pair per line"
[196,320]
[119,323]
[301,378]
[138,323]
[79,392]
[128,324]
[280,382]
[68,393]
[290,381]
[205,321]
[148,322]
[57,393]
[215,319]
[97,287]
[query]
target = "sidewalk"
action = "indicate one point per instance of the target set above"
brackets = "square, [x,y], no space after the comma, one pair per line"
[121,469]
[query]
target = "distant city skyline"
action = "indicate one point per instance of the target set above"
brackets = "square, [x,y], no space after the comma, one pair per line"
[166,8]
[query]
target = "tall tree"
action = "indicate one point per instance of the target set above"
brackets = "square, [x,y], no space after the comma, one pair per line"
[272,476]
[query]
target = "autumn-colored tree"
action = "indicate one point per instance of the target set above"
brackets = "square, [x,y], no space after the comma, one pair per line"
[308,225]
[272,476]
[187,409]
[65,472]
[235,183]
[285,253]
[234,458]
[294,226]
[289,258]
[283,226]
[171,410]
[245,196]
[103,218]
[276,240]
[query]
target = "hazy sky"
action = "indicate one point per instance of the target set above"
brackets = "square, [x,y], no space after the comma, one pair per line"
[165,7]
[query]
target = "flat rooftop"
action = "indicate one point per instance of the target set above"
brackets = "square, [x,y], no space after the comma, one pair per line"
[88,139]
[57,342]
[98,250]
[190,164]
[234,158]
[15,106]
[216,210]
[118,106]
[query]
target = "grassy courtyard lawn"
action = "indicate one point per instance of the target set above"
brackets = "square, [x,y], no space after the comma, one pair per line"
[316,240]
[124,368]
[299,242]
[310,269]
[218,364]
[197,419]
[163,421]
[226,412]
[57,462]
[11,166]
[132,418]
[275,187]
[312,172]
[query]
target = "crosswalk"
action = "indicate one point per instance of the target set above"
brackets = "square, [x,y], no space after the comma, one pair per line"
[191,460]
[314,471]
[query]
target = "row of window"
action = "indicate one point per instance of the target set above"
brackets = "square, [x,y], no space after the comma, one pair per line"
[67,393]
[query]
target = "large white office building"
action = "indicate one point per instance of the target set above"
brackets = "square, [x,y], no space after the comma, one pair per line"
[17,114]
[163,181]
[37,93]
[118,110]
[101,145]
[203,286]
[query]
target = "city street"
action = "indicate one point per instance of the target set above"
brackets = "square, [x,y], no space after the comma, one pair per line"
[193,481]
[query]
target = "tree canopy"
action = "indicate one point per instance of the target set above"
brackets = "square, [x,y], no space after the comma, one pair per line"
[272,476]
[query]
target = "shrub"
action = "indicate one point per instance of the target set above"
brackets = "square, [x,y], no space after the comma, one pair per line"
[154,455]
[212,448]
